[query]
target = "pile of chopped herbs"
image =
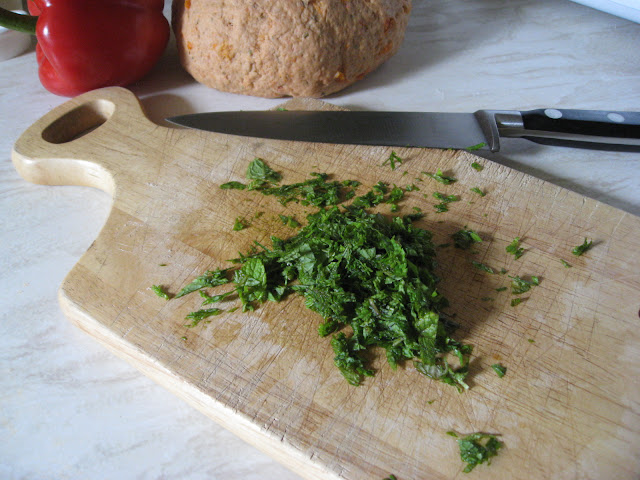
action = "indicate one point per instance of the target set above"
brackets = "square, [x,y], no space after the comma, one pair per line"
[370,279]
[357,269]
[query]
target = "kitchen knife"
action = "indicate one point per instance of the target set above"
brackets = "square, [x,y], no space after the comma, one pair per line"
[604,130]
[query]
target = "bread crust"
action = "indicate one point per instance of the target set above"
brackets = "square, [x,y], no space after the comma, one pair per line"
[276,48]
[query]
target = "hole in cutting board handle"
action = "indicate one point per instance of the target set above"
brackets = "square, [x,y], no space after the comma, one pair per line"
[78,122]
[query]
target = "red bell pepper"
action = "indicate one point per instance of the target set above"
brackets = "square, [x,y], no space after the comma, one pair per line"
[88,44]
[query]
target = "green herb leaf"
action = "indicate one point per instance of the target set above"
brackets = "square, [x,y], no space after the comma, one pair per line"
[373,197]
[441,208]
[251,282]
[415,216]
[259,170]
[200,315]
[159,291]
[239,224]
[476,147]
[289,221]
[395,195]
[393,160]
[517,301]
[348,362]
[482,266]
[520,285]
[233,186]
[565,263]
[478,191]
[209,299]
[465,238]
[476,165]
[499,369]
[514,248]
[580,249]
[445,374]
[501,289]
[478,448]
[446,198]
[440,177]
[316,191]
[211,278]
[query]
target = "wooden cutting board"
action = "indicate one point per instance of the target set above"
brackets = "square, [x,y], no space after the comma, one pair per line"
[568,406]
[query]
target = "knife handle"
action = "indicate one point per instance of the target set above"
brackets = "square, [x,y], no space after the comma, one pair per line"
[593,129]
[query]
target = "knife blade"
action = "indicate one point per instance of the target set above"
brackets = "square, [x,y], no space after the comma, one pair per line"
[593,129]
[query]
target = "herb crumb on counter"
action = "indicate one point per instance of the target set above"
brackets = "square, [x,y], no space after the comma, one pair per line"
[500,369]
[159,291]
[465,238]
[440,177]
[477,448]
[581,249]
[393,160]
[515,249]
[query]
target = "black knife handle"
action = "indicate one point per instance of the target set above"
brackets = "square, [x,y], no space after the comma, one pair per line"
[583,128]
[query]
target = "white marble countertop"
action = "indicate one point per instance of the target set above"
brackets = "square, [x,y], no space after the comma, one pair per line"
[70,409]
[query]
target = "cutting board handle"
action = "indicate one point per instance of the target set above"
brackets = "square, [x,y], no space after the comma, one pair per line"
[78,142]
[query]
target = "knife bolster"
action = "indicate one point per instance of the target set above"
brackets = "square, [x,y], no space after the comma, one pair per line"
[497,123]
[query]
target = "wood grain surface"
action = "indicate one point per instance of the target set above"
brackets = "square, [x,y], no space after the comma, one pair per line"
[568,406]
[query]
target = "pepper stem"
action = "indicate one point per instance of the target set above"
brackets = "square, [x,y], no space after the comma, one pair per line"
[18,22]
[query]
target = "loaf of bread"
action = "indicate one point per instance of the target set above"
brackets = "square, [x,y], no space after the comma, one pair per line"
[276,48]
